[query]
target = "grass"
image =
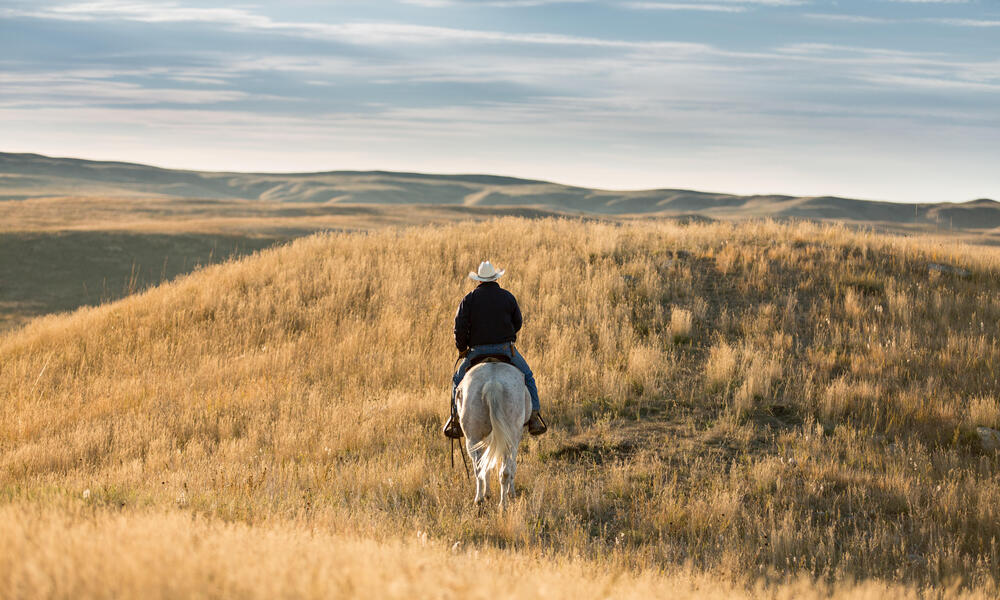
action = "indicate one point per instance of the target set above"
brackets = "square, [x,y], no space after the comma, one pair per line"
[93,554]
[47,272]
[808,429]
[170,555]
[60,253]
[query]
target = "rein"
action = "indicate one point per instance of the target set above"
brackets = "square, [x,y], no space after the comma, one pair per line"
[467,475]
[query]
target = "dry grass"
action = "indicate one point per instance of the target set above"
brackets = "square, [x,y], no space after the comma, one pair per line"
[148,555]
[60,253]
[158,215]
[720,366]
[819,423]
[681,321]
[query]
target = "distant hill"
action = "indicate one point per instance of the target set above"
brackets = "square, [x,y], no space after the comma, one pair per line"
[24,176]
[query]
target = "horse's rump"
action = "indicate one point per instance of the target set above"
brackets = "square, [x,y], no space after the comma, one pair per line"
[497,445]
[494,406]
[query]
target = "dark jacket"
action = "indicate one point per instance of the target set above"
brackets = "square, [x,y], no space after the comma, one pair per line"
[488,314]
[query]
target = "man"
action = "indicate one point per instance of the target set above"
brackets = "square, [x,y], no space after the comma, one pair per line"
[486,324]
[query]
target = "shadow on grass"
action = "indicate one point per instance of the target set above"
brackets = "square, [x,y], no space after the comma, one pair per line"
[42,273]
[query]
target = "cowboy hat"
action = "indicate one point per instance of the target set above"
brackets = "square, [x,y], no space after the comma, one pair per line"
[486,272]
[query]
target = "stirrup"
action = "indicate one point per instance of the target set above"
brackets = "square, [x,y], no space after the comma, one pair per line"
[453,429]
[539,427]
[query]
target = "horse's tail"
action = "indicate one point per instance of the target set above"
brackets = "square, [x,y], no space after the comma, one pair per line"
[500,441]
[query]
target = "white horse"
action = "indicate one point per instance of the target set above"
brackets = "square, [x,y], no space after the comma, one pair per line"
[493,405]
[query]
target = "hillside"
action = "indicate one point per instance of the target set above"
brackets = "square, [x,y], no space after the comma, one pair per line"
[76,232]
[735,402]
[57,254]
[24,176]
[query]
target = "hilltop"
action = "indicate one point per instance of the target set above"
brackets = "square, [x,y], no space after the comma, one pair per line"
[77,232]
[732,401]
[25,176]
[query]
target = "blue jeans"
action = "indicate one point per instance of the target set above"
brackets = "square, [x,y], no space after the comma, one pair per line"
[517,360]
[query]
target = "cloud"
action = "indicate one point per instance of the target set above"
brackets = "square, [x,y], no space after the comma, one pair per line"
[167,12]
[146,12]
[822,51]
[717,6]
[936,83]
[45,91]
[869,20]
[723,6]
[363,33]
[245,81]
[650,71]
[842,18]
[890,70]
[770,2]
[676,6]
[965,22]
[491,3]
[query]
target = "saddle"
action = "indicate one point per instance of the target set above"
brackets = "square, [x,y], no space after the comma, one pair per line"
[490,358]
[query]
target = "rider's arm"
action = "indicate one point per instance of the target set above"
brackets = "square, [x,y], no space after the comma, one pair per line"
[515,317]
[462,326]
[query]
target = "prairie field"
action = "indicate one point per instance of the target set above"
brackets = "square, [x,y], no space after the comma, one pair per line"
[59,253]
[751,409]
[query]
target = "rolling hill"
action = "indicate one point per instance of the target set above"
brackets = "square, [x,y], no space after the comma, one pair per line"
[24,176]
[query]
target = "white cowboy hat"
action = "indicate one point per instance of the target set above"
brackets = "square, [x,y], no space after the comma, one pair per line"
[486,272]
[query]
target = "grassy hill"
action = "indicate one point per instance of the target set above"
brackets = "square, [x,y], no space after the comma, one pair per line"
[728,403]
[76,232]
[57,254]
[25,176]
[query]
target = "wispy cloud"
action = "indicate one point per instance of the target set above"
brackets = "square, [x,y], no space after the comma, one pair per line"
[935,83]
[263,80]
[42,90]
[966,22]
[870,20]
[842,18]
[732,8]
[770,2]
[722,6]
[145,12]
[737,5]
[371,33]
[491,3]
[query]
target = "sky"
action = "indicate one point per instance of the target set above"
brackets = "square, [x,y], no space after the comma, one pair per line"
[879,99]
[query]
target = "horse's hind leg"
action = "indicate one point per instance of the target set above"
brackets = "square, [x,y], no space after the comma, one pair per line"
[507,478]
[482,487]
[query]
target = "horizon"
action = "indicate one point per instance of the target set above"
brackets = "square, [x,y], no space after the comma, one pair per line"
[886,101]
[465,174]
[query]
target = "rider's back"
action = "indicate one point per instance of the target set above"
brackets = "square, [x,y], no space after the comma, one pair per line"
[488,314]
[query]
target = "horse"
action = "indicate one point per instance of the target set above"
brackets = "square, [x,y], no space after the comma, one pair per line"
[493,405]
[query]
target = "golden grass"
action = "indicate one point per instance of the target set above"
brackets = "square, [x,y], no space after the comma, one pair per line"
[720,366]
[158,215]
[148,555]
[60,253]
[819,423]
[681,321]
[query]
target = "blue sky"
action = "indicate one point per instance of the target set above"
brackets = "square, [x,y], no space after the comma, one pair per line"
[894,100]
